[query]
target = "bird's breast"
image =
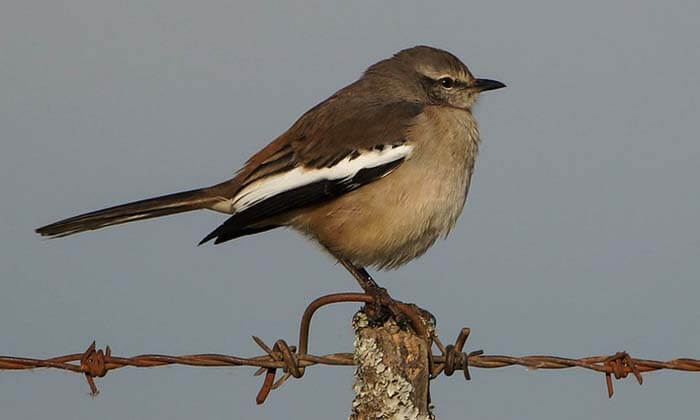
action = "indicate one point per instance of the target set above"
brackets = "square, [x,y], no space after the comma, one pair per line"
[397,218]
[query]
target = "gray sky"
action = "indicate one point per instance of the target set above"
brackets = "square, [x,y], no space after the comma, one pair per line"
[580,236]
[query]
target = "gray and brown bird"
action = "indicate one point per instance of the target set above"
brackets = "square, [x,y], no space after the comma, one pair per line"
[375,174]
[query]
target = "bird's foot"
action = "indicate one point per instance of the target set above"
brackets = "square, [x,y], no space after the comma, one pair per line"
[405,314]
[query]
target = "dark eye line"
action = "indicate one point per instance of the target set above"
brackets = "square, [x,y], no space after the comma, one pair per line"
[437,82]
[455,83]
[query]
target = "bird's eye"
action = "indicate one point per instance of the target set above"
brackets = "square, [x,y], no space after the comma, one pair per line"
[447,82]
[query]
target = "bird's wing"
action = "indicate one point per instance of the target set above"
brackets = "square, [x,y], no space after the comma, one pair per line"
[316,160]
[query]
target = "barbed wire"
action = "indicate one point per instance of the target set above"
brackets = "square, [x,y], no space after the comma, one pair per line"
[95,363]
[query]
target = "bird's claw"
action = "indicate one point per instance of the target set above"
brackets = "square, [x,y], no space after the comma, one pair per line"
[405,314]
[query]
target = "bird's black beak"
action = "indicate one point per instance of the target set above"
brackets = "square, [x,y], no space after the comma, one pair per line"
[487,84]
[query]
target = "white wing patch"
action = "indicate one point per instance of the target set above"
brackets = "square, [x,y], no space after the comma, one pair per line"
[300,176]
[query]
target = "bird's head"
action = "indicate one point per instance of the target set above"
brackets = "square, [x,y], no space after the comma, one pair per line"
[427,75]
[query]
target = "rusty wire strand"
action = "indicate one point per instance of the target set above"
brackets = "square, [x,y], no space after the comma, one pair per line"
[293,360]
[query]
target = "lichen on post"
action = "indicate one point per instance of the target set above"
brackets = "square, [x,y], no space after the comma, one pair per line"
[392,376]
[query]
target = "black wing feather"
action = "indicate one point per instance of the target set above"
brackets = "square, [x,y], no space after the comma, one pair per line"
[239,224]
[337,128]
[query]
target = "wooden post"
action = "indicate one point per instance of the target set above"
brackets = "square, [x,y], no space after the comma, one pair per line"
[392,376]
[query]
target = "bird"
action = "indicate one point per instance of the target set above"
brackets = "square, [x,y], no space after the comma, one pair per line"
[375,174]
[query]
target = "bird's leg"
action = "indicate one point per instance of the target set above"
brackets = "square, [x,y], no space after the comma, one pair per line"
[370,287]
[404,314]
[364,279]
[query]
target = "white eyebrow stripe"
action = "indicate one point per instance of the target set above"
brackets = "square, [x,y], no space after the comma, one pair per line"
[300,176]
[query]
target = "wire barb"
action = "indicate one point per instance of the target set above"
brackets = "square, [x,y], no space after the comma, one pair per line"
[293,360]
[92,364]
[453,356]
[620,364]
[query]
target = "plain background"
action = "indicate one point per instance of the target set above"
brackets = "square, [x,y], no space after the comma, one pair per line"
[580,236]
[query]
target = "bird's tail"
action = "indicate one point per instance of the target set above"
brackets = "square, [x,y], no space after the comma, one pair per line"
[138,210]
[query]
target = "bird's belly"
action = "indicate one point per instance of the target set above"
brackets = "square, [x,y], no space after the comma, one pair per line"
[391,221]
